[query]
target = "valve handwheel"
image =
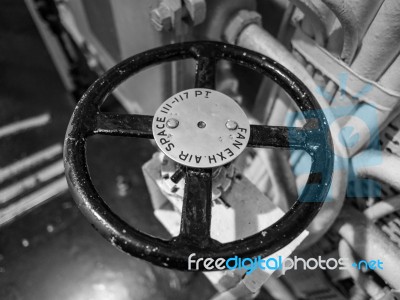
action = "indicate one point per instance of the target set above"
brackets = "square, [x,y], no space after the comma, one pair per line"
[199,128]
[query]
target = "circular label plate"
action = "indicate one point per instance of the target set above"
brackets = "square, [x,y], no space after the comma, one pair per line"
[201,128]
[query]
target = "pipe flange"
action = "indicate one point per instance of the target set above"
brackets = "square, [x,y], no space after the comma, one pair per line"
[239,22]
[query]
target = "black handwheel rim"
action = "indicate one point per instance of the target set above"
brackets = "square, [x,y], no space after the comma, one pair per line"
[174,253]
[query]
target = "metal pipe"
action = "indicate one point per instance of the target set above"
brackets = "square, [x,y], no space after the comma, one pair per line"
[355,16]
[278,290]
[383,208]
[378,165]
[268,95]
[365,12]
[358,294]
[390,79]
[257,39]
[372,213]
[378,49]
[318,20]
[348,20]
[370,243]
[361,279]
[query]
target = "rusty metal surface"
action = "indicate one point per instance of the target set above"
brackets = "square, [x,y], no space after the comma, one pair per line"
[174,253]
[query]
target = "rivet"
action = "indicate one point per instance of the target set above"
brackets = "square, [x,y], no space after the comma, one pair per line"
[172,123]
[231,125]
[201,124]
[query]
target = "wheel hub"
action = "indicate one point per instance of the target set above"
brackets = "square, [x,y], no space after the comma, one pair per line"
[201,128]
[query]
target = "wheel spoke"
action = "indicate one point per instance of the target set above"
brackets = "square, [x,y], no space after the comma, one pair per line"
[124,125]
[196,210]
[293,138]
[205,71]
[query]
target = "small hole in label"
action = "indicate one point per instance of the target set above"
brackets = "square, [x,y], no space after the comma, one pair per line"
[201,124]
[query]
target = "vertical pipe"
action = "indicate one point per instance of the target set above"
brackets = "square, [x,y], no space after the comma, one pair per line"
[380,45]
[378,165]
[257,39]
[355,17]
[391,78]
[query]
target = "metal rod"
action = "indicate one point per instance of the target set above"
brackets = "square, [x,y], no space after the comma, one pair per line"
[369,242]
[383,208]
[379,165]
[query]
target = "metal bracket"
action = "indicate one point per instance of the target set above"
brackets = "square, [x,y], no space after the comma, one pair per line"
[170,12]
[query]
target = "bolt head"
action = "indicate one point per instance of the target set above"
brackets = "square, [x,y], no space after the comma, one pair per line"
[172,123]
[161,18]
[231,125]
[201,124]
